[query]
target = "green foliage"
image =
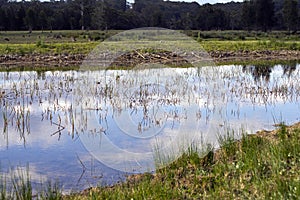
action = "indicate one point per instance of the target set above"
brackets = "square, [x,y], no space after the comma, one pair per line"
[264,14]
[30,18]
[248,15]
[116,14]
[17,185]
[21,185]
[291,14]
[43,48]
[51,191]
[3,191]
[228,144]
[41,44]
[83,42]
[294,46]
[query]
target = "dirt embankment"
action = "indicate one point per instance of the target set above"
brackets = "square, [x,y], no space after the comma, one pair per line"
[131,59]
[41,60]
[255,55]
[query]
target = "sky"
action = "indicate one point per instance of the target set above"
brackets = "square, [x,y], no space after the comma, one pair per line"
[203,1]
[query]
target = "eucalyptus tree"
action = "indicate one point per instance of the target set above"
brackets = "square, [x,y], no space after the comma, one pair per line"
[248,15]
[264,14]
[291,15]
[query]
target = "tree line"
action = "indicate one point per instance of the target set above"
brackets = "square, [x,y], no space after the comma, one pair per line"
[119,14]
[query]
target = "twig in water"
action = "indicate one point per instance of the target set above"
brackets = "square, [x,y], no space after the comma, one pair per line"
[83,169]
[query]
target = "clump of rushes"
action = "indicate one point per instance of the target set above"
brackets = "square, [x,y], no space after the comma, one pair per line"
[3,191]
[51,191]
[261,166]
[21,187]
[17,185]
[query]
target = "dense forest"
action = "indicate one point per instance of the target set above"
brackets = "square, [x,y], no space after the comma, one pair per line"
[119,14]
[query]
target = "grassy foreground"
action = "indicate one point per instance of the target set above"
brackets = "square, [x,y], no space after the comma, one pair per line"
[261,166]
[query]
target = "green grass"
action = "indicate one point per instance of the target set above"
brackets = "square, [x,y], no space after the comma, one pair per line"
[19,188]
[86,47]
[253,168]
[242,35]
[17,185]
[47,48]
[250,45]
[64,36]
[22,43]
[39,69]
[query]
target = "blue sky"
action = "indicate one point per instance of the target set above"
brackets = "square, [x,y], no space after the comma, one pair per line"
[204,1]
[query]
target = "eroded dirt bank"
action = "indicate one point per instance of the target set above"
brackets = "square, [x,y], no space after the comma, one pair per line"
[134,58]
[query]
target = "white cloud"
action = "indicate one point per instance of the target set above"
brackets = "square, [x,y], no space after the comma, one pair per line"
[202,1]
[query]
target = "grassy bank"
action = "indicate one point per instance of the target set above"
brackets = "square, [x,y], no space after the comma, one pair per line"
[250,45]
[261,166]
[47,48]
[82,42]
[63,36]
[85,47]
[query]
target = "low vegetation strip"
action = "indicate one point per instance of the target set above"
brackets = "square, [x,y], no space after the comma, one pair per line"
[47,48]
[60,48]
[261,166]
[251,45]
[208,45]
[67,54]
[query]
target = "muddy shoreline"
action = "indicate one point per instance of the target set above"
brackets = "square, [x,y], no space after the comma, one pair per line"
[67,60]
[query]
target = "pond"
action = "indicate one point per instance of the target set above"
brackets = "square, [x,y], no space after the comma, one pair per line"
[84,128]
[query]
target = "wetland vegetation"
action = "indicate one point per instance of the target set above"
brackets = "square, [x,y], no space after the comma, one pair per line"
[268,91]
[54,115]
[36,98]
[44,49]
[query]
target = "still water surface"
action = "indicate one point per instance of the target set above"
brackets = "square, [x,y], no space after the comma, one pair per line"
[75,126]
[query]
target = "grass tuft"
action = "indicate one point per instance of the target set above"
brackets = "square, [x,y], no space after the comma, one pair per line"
[51,191]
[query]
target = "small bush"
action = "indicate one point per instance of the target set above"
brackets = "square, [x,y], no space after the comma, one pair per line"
[241,37]
[294,46]
[41,44]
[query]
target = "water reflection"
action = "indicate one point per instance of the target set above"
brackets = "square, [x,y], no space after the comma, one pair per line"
[45,125]
[289,69]
[259,71]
